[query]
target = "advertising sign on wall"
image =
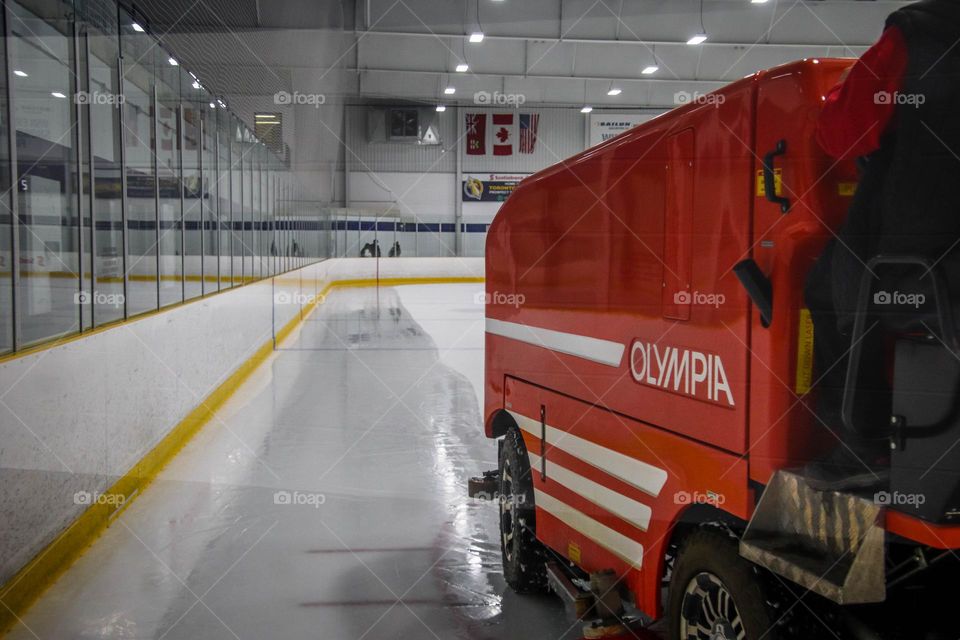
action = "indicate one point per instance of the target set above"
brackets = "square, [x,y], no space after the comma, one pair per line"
[489,187]
[604,126]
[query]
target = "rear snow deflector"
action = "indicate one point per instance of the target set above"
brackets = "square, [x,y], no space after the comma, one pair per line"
[829,542]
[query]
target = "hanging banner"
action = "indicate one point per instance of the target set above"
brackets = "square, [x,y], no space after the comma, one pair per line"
[528,131]
[604,126]
[509,133]
[490,187]
[476,134]
[503,134]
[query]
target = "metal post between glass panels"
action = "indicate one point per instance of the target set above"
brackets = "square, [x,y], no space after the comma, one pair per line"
[201,143]
[78,154]
[183,216]
[15,182]
[156,189]
[125,258]
[93,190]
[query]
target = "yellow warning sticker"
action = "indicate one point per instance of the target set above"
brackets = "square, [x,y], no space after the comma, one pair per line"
[804,352]
[846,189]
[573,552]
[777,183]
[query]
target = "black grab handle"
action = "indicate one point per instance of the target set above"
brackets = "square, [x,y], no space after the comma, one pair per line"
[769,177]
[758,287]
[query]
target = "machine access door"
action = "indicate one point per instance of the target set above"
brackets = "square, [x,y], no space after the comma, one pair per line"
[800,195]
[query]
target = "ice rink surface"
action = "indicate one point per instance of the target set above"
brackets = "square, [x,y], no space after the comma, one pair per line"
[327,500]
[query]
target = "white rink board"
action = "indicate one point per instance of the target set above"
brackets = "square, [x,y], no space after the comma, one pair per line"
[77,416]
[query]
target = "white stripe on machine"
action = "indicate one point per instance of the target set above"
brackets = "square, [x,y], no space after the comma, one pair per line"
[586,347]
[636,513]
[628,550]
[643,476]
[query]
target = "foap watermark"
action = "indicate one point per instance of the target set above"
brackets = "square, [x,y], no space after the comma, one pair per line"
[98,97]
[297,297]
[299,498]
[899,298]
[99,298]
[499,498]
[895,498]
[686,97]
[699,298]
[515,300]
[697,497]
[499,99]
[899,98]
[89,498]
[287,98]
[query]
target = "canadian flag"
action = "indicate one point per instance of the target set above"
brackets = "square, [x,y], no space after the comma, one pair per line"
[503,134]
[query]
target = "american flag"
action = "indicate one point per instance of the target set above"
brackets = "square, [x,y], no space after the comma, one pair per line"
[528,131]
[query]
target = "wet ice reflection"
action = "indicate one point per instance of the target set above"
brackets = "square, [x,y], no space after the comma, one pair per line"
[367,424]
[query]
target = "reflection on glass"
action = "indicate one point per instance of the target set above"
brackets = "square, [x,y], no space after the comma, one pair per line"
[6,223]
[269,186]
[281,224]
[133,188]
[192,109]
[170,243]
[246,162]
[43,118]
[104,139]
[138,141]
[284,224]
[209,195]
[256,211]
[224,194]
[236,227]
[298,233]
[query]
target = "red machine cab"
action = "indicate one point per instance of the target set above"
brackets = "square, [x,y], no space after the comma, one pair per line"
[649,358]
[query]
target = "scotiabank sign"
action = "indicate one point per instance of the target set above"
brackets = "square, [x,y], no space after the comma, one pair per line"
[691,373]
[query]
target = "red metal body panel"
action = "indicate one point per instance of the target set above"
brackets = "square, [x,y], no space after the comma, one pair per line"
[718,477]
[583,243]
[784,431]
[933,535]
[635,338]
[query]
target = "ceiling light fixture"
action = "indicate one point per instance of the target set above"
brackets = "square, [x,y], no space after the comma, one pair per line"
[57,94]
[450,91]
[213,106]
[173,62]
[136,27]
[701,36]
[441,108]
[614,91]
[22,74]
[462,67]
[476,37]
[586,109]
[650,70]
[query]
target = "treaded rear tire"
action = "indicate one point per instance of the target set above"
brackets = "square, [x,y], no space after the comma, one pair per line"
[524,558]
[715,554]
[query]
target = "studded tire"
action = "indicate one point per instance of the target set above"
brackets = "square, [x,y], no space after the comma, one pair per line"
[524,558]
[715,594]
